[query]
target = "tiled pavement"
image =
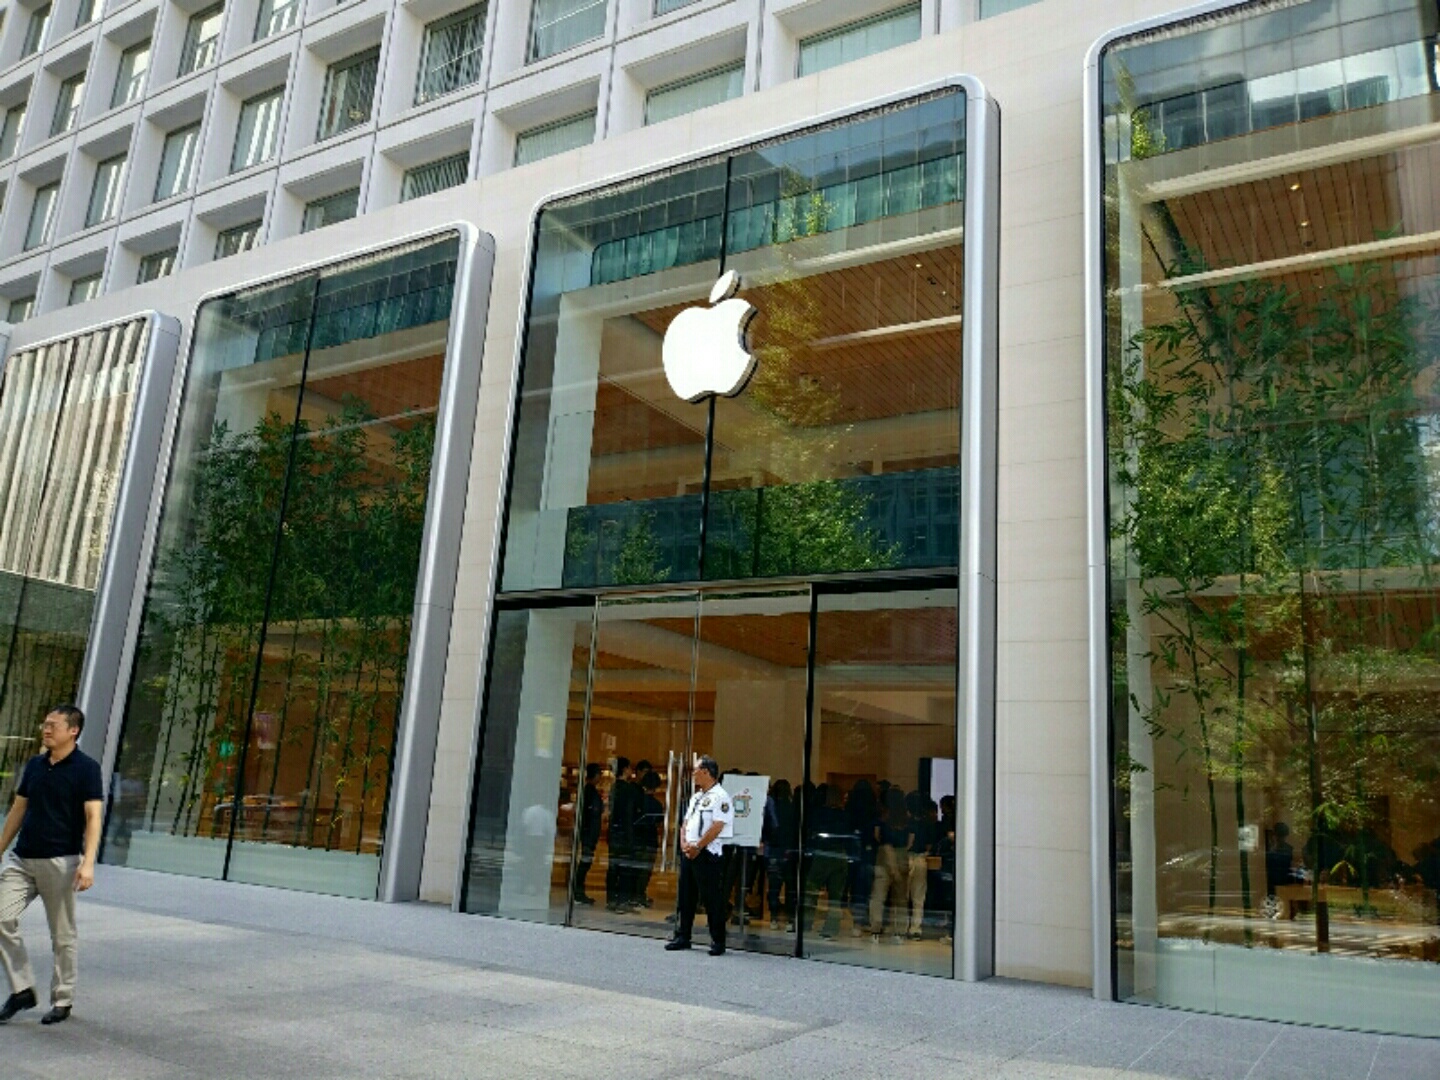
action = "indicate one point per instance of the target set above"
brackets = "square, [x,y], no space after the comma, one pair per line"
[188,978]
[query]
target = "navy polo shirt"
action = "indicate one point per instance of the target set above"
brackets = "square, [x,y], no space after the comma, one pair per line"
[56,795]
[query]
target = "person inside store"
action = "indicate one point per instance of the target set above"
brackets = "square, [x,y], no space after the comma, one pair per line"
[648,823]
[778,840]
[831,843]
[709,822]
[592,810]
[620,835]
[57,814]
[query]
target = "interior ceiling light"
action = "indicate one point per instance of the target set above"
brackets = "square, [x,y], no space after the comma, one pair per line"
[1295,186]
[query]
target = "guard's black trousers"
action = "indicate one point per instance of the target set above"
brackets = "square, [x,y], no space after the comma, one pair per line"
[700,880]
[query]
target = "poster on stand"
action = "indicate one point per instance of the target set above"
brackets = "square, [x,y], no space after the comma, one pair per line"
[747,794]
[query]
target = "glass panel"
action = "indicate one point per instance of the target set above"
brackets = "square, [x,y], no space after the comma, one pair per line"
[35,30]
[177,162]
[234,241]
[258,131]
[327,211]
[533,780]
[202,39]
[67,105]
[316,770]
[85,288]
[157,265]
[64,425]
[686,96]
[130,79]
[10,131]
[85,12]
[306,509]
[275,16]
[557,25]
[436,176]
[865,38]
[751,672]
[105,192]
[880,826]
[450,56]
[664,7]
[641,696]
[349,94]
[21,309]
[1272,529]
[42,216]
[1000,7]
[556,138]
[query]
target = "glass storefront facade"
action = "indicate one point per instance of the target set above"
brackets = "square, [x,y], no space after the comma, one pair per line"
[260,721]
[1270,335]
[66,411]
[770,578]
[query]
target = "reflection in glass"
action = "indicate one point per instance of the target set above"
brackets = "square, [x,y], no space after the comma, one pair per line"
[65,412]
[1273,528]
[261,716]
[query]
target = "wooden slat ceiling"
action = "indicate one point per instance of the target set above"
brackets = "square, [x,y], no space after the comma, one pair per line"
[388,391]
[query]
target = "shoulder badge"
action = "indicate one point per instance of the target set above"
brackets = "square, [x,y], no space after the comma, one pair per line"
[724,808]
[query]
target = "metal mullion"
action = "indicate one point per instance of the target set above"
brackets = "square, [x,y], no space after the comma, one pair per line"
[576,821]
[805,779]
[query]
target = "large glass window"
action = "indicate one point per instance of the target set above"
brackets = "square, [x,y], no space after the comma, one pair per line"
[261,713]
[450,55]
[349,93]
[258,133]
[557,25]
[65,413]
[42,215]
[1271,275]
[551,139]
[105,192]
[202,39]
[11,128]
[839,456]
[275,16]
[436,176]
[864,38]
[130,78]
[35,30]
[177,162]
[342,206]
[67,104]
[687,95]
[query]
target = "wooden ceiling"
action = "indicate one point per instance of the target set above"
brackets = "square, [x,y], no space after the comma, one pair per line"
[388,391]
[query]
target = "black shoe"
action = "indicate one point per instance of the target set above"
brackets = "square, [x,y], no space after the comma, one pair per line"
[584,899]
[676,945]
[717,950]
[57,1015]
[23,999]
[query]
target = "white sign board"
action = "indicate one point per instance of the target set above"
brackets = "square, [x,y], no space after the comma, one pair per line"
[747,796]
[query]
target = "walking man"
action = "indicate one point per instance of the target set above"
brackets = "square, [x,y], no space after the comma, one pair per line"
[709,820]
[57,812]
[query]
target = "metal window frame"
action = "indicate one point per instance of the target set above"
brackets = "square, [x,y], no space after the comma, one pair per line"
[856,24]
[691,80]
[979,478]
[111,206]
[532,55]
[258,103]
[172,252]
[350,63]
[555,125]
[190,49]
[189,172]
[404,178]
[35,30]
[325,199]
[480,13]
[53,190]
[67,104]
[121,95]
[247,231]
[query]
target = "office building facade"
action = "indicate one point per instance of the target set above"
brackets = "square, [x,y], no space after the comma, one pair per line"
[998,432]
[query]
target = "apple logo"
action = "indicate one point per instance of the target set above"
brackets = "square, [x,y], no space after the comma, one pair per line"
[706,349]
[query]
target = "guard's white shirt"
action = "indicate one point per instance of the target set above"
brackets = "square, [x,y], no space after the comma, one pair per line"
[706,808]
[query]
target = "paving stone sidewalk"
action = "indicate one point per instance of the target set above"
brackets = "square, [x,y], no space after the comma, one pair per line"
[188,978]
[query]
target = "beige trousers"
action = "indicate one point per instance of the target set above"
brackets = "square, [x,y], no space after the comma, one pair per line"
[53,880]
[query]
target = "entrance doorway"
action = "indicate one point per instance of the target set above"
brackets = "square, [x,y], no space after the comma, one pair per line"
[832,712]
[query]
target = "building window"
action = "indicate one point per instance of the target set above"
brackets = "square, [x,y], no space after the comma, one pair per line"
[42,215]
[106,191]
[234,240]
[341,206]
[664,7]
[349,93]
[436,176]
[156,265]
[258,131]
[177,162]
[130,79]
[35,30]
[1000,7]
[11,129]
[557,25]
[276,16]
[202,39]
[857,39]
[696,92]
[551,139]
[85,288]
[67,105]
[450,56]
[20,309]
[356,467]
[84,13]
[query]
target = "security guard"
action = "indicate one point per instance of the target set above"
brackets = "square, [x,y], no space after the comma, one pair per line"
[709,821]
